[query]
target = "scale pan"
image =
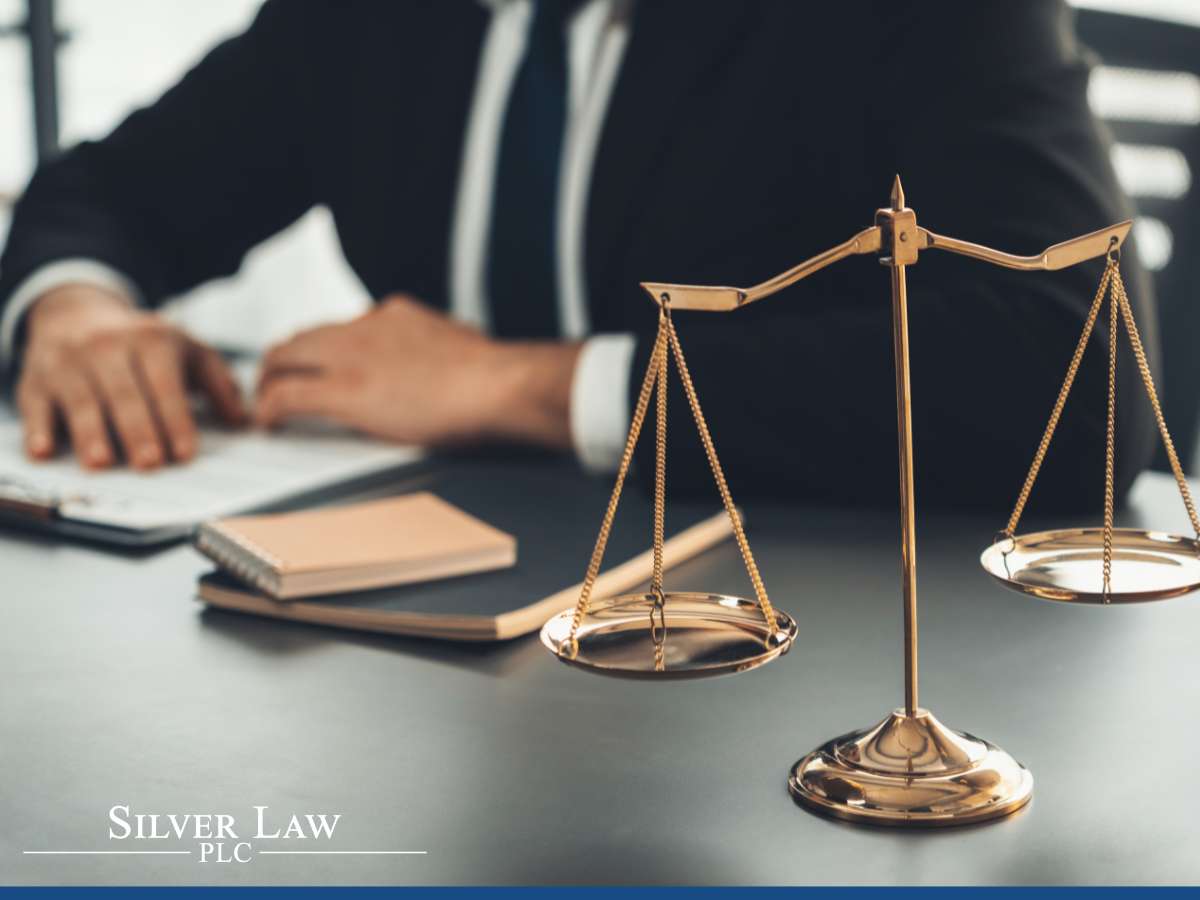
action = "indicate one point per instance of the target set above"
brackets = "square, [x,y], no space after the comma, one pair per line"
[706,635]
[1067,565]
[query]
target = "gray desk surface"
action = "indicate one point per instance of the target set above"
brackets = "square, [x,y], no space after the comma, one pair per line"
[508,767]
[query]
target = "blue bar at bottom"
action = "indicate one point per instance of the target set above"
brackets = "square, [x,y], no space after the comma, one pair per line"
[590,892]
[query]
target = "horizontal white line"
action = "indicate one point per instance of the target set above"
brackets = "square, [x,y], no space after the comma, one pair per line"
[343,852]
[260,852]
[105,852]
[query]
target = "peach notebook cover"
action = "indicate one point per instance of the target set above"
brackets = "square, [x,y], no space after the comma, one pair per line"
[398,540]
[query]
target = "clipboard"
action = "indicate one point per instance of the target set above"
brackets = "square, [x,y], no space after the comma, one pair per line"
[234,472]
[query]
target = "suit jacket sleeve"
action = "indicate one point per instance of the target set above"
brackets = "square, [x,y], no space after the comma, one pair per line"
[982,109]
[182,189]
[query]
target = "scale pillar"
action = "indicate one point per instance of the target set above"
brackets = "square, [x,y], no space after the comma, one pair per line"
[909,769]
[899,247]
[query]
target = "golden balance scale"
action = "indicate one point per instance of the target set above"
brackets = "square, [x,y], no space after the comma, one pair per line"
[909,769]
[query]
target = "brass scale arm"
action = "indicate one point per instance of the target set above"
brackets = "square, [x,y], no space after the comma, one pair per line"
[871,240]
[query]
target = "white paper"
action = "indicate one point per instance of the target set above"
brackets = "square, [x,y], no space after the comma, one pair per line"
[232,472]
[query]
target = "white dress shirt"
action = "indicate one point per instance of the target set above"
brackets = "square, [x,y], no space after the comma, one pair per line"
[596,37]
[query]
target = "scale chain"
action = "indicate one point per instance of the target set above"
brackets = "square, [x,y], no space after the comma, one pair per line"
[658,629]
[1139,353]
[1110,433]
[666,344]
[1112,286]
[570,646]
[760,591]
[660,467]
[1011,528]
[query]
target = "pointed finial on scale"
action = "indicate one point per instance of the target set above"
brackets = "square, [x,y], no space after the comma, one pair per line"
[897,194]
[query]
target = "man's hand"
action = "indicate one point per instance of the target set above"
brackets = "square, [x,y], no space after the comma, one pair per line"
[98,364]
[409,374]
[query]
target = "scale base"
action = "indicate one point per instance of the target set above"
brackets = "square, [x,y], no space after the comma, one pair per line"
[910,771]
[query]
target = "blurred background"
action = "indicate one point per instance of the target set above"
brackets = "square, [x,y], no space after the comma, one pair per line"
[112,56]
[72,69]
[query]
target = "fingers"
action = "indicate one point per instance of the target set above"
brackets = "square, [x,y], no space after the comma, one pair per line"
[159,367]
[127,402]
[133,384]
[309,350]
[105,369]
[209,372]
[288,396]
[37,416]
[80,407]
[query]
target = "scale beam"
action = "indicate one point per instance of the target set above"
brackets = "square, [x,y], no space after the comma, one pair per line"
[726,299]
[877,241]
[1060,256]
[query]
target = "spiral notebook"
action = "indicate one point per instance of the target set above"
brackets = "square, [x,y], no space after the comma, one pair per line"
[551,509]
[397,540]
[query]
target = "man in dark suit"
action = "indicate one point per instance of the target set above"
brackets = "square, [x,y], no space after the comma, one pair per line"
[503,173]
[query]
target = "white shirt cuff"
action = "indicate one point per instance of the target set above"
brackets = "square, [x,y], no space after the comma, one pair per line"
[50,276]
[600,401]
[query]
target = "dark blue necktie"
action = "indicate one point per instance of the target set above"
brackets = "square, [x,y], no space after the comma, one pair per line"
[522,257]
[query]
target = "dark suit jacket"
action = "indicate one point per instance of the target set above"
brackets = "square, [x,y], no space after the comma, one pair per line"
[741,138]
